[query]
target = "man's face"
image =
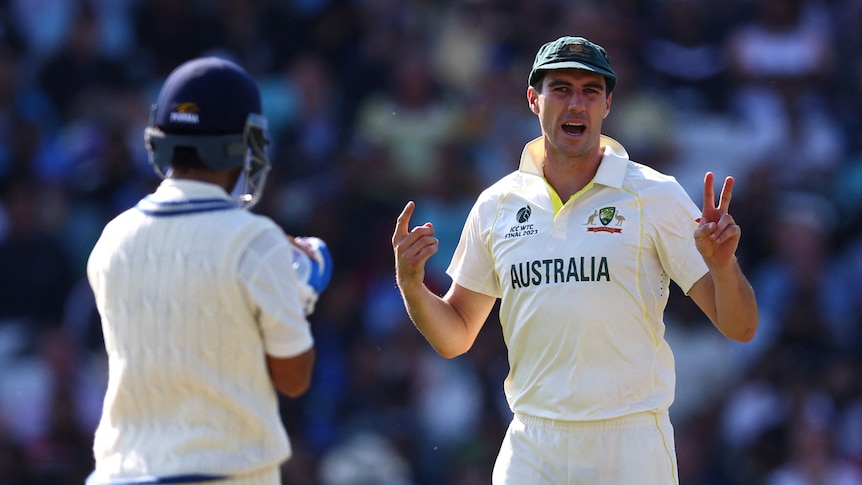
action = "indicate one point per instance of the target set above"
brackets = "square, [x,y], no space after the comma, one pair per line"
[571,107]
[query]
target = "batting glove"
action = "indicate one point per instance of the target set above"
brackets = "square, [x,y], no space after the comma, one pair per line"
[314,272]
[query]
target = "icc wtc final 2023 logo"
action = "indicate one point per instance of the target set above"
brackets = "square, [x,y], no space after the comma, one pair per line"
[522,228]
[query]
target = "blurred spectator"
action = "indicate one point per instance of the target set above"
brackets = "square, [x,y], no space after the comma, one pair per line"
[497,121]
[23,111]
[781,61]
[27,124]
[169,33]
[470,42]
[79,77]
[753,417]
[364,459]
[408,128]
[42,24]
[13,462]
[616,25]
[705,369]
[35,270]
[81,323]
[802,294]
[50,399]
[60,453]
[813,459]
[646,120]
[687,54]
[255,33]
[850,260]
[447,199]
[309,143]
[847,99]
[448,401]
[844,388]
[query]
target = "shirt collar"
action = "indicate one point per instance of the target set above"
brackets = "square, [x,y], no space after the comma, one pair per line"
[185,189]
[612,168]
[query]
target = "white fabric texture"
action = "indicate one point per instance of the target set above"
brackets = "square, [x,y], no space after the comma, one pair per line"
[190,305]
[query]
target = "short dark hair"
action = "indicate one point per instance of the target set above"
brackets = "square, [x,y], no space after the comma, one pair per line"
[187,158]
[540,77]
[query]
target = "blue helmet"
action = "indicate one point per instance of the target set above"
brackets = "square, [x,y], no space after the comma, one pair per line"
[212,105]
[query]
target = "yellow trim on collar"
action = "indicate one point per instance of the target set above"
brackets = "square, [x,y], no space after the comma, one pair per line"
[557,202]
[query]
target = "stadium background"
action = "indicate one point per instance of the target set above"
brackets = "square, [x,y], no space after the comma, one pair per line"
[375,102]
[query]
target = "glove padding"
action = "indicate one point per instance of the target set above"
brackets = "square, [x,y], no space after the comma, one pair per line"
[314,272]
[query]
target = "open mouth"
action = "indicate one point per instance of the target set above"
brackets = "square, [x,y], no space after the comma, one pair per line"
[574,128]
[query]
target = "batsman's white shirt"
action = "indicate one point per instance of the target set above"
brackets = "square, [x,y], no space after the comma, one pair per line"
[583,284]
[193,293]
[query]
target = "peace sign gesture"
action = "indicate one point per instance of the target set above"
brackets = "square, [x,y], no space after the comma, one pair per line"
[717,236]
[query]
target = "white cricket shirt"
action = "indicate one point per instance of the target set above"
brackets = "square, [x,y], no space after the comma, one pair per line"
[584,284]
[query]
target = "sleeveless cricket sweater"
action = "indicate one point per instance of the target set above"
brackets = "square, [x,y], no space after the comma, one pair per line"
[189,389]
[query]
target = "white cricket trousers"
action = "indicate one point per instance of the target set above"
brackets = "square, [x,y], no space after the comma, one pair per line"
[630,450]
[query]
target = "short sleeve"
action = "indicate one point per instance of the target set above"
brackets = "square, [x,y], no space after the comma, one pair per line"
[274,293]
[675,226]
[472,264]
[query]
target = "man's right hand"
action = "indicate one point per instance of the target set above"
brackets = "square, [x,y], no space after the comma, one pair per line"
[412,248]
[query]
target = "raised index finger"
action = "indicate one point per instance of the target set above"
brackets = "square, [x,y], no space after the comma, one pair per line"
[726,193]
[403,223]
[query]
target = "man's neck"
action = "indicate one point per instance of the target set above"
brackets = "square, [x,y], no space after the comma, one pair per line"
[224,179]
[569,175]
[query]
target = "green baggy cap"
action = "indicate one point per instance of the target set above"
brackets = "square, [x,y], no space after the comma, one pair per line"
[573,53]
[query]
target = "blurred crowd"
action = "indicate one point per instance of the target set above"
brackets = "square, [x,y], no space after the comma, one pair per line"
[372,103]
